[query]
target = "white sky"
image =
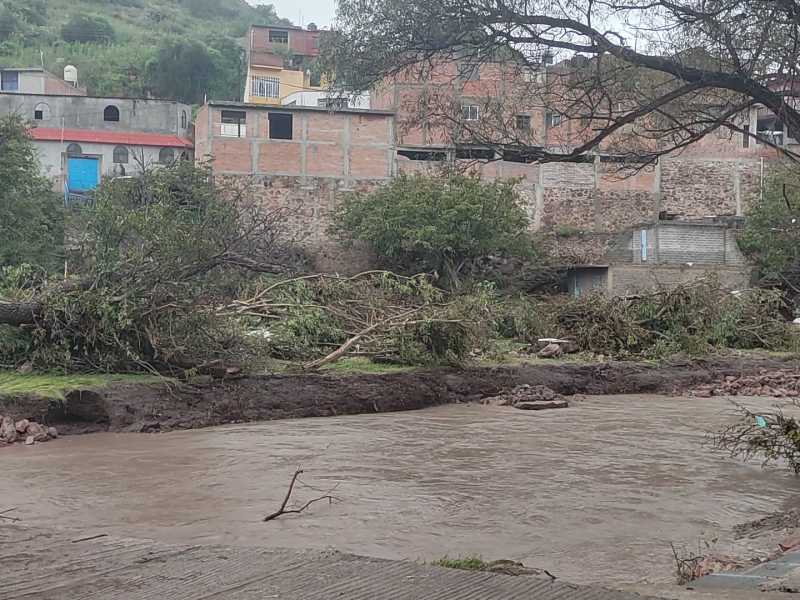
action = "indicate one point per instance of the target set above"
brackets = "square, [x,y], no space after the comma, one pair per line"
[303,12]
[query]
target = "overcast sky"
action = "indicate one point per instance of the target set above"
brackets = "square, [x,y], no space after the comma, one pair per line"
[320,12]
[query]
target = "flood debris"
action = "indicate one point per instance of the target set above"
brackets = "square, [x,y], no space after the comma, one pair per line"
[775,384]
[285,511]
[24,431]
[530,397]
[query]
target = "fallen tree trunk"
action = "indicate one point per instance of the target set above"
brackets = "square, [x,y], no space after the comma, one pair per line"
[25,312]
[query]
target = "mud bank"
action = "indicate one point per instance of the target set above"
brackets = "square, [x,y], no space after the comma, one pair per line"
[203,402]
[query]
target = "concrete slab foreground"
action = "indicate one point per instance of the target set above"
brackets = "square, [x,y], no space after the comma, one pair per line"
[59,565]
[781,574]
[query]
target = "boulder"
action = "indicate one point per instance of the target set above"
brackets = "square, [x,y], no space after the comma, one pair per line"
[578,398]
[29,441]
[8,433]
[21,425]
[52,432]
[37,431]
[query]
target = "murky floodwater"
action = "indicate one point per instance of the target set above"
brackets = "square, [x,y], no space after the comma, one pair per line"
[594,493]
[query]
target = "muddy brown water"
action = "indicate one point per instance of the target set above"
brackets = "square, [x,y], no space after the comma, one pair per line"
[594,493]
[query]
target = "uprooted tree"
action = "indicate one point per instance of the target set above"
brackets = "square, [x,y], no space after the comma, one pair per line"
[153,255]
[650,77]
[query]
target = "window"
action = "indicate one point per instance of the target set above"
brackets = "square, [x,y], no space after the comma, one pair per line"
[315,41]
[553,119]
[184,120]
[469,112]
[41,112]
[280,126]
[166,156]
[74,149]
[265,87]
[121,155]
[746,136]
[233,123]
[111,114]
[9,81]
[276,36]
[523,123]
[468,70]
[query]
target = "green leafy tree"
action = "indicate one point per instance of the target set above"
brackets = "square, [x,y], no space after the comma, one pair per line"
[772,236]
[443,223]
[87,28]
[267,15]
[183,69]
[31,215]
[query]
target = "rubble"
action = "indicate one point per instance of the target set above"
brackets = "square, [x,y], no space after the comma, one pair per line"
[529,397]
[24,431]
[775,384]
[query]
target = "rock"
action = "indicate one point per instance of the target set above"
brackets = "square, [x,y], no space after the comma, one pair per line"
[21,425]
[578,398]
[29,441]
[8,433]
[37,431]
[540,405]
[52,432]
[550,351]
[702,393]
[501,400]
[548,394]
[790,543]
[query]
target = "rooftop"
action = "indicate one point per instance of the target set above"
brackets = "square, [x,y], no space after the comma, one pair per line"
[287,108]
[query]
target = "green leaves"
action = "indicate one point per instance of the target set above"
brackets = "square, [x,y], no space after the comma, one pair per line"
[443,223]
[31,215]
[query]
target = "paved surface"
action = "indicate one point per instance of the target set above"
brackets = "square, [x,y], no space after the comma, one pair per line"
[59,565]
[781,574]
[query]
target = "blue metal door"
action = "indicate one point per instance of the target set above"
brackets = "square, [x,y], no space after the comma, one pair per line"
[82,173]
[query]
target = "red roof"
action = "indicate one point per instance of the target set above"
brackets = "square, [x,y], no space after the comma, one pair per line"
[121,138]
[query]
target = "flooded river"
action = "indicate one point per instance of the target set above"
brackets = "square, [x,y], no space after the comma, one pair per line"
[594,493]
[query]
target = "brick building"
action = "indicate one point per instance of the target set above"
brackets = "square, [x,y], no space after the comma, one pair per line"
[277,59]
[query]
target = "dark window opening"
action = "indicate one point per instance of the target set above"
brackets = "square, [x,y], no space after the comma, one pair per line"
[280,126]
[585,120]
[769,129]
[166,156]
[522,123]
[315,41]
[74,149]
[184,155]
[41,112]
[423,154]
[9,81]
[277,36]
[234,117]
[522,155]
[474,154]
[746,136]
[111,113]
[121,155]
[184,119]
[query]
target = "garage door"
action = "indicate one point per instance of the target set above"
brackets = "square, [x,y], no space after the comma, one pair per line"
[82,173]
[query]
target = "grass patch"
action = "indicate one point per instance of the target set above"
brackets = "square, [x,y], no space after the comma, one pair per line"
[465,563]
[55,387]
[360,364]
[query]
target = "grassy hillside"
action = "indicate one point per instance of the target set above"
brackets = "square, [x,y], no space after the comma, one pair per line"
[120,46]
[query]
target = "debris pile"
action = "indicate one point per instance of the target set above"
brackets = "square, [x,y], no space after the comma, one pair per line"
[775,384]
[24,432]
[530,397]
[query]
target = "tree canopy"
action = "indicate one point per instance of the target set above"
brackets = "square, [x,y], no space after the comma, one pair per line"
[31,215]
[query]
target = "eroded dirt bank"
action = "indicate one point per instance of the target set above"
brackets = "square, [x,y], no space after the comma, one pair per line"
[202,402]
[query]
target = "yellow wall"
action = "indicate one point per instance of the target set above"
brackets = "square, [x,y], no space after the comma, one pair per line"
[290,82]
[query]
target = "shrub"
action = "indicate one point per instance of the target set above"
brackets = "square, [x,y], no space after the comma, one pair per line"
[87,28]
[441,224]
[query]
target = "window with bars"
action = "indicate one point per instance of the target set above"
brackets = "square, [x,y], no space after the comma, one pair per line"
[469,112]
[553,119]
[265,87]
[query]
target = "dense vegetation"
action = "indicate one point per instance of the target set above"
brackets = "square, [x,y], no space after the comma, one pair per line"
[180,49]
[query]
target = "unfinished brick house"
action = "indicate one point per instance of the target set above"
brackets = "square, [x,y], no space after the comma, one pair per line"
[298,159]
